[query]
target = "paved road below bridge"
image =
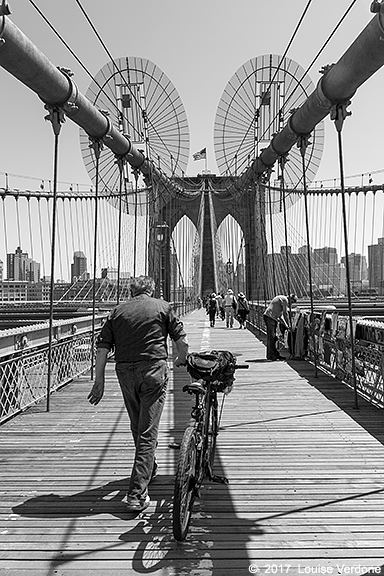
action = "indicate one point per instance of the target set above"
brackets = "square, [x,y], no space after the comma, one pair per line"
[306,491]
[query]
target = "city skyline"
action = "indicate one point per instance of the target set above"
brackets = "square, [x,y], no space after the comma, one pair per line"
[328,273]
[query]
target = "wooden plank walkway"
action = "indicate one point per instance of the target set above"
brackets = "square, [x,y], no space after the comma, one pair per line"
[306,492]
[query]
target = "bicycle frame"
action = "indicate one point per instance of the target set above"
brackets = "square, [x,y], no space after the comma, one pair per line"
[197,451]
[205,414]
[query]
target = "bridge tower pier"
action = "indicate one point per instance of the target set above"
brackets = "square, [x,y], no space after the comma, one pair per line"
[248,210]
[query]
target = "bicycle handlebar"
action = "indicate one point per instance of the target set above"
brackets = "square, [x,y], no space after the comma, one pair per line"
[237,366]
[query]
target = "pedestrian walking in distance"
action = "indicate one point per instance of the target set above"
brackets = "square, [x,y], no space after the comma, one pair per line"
[212,309]
[230,305]
[137,332]
[242,309]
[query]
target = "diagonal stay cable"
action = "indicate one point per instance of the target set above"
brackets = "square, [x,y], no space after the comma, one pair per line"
[321,50]
[282,58]
[119,71]
[310,65]
[56,32]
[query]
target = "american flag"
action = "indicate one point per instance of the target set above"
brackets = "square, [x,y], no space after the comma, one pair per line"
[201,155]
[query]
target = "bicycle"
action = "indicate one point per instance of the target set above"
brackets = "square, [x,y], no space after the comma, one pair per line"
[198,445]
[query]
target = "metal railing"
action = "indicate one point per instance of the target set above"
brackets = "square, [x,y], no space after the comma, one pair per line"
[24,354]
[331,348]
[24,370]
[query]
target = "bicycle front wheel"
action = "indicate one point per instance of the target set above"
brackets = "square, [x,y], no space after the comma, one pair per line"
[185,483]
[211,432]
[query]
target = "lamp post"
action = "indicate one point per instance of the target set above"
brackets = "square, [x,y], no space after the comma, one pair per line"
[229,270]
[161,240]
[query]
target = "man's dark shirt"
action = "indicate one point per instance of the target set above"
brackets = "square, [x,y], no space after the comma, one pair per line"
[137,329]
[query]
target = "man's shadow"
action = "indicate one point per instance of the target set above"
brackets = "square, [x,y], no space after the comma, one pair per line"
[150,534]
[107,499]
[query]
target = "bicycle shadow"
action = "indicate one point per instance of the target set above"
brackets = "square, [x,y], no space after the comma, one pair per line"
[201,550]
[144,542]
[215,527]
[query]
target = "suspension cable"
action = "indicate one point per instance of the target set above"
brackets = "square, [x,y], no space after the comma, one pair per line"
[120,164]
[303,144]
[124,80]
[305,72]
[96,145]
[283,160]
[339,114]
[77,58]
[275,74]
[56,117]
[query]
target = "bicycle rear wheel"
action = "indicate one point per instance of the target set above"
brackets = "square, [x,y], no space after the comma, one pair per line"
[185,483]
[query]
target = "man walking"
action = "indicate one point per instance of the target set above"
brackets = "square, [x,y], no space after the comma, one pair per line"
[212,309]
[230,305]
[137,331]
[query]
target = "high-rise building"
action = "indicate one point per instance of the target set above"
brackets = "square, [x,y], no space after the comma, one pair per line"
[328,274]
[358,272]
[376,266]
[22,268]
[1,270]
[79,267]
[325,255]
[277,273]
[112,274]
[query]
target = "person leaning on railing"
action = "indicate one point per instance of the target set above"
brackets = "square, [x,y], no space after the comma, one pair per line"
[277,311]
[137,331]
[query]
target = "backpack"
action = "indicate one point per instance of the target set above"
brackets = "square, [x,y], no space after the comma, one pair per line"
[212,304]
[214,365]
[242,302]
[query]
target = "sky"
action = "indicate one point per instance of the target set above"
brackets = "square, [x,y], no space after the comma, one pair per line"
[199,45]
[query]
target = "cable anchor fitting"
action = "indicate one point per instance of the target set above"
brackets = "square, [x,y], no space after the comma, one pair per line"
[56,116]
[283,159]
[120,161]
[136,173]
[303,143]
[266,175]
[5,9]
[378,8]
[96,145]
[339,113]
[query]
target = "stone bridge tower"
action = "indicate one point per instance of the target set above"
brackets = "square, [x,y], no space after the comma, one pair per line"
[208,192]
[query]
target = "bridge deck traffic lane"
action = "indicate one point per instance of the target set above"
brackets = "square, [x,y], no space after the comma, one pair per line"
[305,470]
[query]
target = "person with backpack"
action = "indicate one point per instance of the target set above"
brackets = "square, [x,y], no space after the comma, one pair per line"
[242,310]
[230,305]
[220,301]
[212,309]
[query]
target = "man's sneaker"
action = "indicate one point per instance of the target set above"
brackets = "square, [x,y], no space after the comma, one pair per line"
[138,504]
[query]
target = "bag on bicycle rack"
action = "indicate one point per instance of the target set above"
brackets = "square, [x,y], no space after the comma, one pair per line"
[215,365]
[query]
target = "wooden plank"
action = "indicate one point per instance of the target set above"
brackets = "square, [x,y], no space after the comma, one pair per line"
[305,468]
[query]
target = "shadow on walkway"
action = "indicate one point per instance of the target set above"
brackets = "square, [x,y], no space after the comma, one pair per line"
[368,416]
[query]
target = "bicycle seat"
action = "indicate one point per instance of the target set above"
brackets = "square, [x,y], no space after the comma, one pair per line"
[194,388]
